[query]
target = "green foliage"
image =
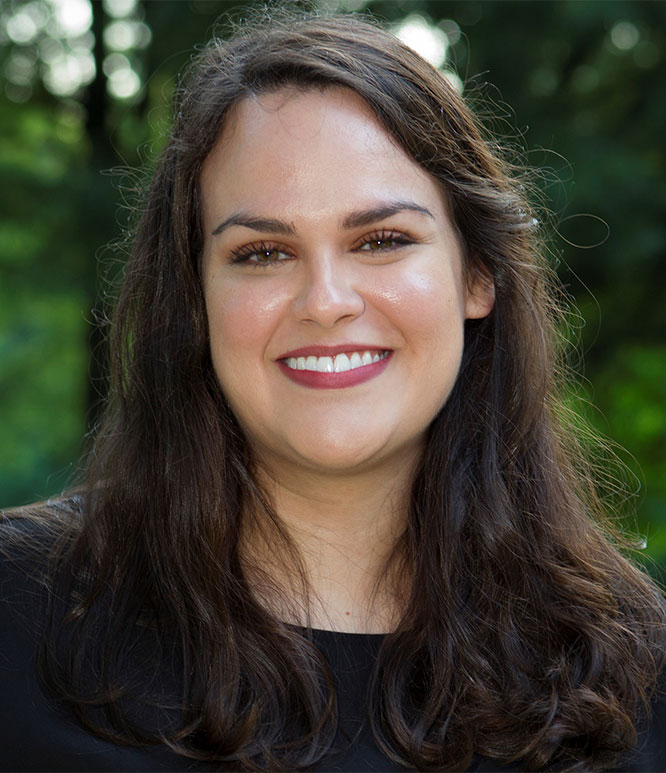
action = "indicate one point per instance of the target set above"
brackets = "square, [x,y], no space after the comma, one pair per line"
[42,296]
[631,396]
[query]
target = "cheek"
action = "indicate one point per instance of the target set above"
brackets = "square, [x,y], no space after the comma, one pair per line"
[240,319]
[427,305]
[429,312]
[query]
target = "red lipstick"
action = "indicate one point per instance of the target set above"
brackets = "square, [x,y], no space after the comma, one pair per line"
[348,378]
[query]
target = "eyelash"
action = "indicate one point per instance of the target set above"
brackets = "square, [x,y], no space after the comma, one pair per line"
[383,235]
[243,254]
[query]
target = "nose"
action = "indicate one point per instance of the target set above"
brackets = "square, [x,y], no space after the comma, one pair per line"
[327,295]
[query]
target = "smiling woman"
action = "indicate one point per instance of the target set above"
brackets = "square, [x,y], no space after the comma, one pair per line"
[335,517]
[345,250]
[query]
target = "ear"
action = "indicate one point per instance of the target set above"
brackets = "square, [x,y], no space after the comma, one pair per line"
[480,297]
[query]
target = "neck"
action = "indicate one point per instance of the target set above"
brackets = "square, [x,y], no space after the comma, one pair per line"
[345,529]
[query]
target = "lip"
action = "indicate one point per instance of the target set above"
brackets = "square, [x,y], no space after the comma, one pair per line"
[348,378]
[331,351]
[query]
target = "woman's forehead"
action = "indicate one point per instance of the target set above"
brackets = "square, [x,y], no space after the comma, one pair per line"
[298,115]
[311,148]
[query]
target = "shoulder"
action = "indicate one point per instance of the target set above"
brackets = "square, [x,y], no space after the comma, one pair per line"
[37,728]
[36,525]
[24,555]
[28,540]
[649,754]
[24,600]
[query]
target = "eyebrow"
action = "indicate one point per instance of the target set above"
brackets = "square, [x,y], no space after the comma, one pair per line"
[355,219]
[361,217]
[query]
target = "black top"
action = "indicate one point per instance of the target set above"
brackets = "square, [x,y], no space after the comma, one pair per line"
[37,734]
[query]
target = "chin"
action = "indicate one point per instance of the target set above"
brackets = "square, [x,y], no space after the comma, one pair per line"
[344,454]
[335,460]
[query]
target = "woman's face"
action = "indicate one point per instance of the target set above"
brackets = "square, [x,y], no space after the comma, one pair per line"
[333,283]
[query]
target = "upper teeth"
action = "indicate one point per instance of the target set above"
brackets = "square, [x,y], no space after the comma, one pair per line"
[337,364]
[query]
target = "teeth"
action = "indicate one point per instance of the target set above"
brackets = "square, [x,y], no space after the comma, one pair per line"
[339,364]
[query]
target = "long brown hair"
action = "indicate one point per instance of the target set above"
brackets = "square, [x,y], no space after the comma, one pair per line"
[527,634]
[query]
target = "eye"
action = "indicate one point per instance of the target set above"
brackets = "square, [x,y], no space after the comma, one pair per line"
[383,241]
[262,254]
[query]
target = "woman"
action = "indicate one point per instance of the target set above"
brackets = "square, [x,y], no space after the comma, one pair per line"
[335,518]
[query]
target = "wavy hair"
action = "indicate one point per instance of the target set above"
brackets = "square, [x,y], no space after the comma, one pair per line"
[527,634]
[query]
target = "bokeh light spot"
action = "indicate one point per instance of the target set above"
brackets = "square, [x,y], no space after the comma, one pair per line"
[451,29]
[20,68]
[123,34]
[50,49]
[17,93]
[73,16]
[454,79]
[624,35]
[62,76]
[119,9]
[428,41]
[124,84]
[21,27]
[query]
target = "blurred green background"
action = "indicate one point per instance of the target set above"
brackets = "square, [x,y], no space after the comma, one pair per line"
[576,88]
